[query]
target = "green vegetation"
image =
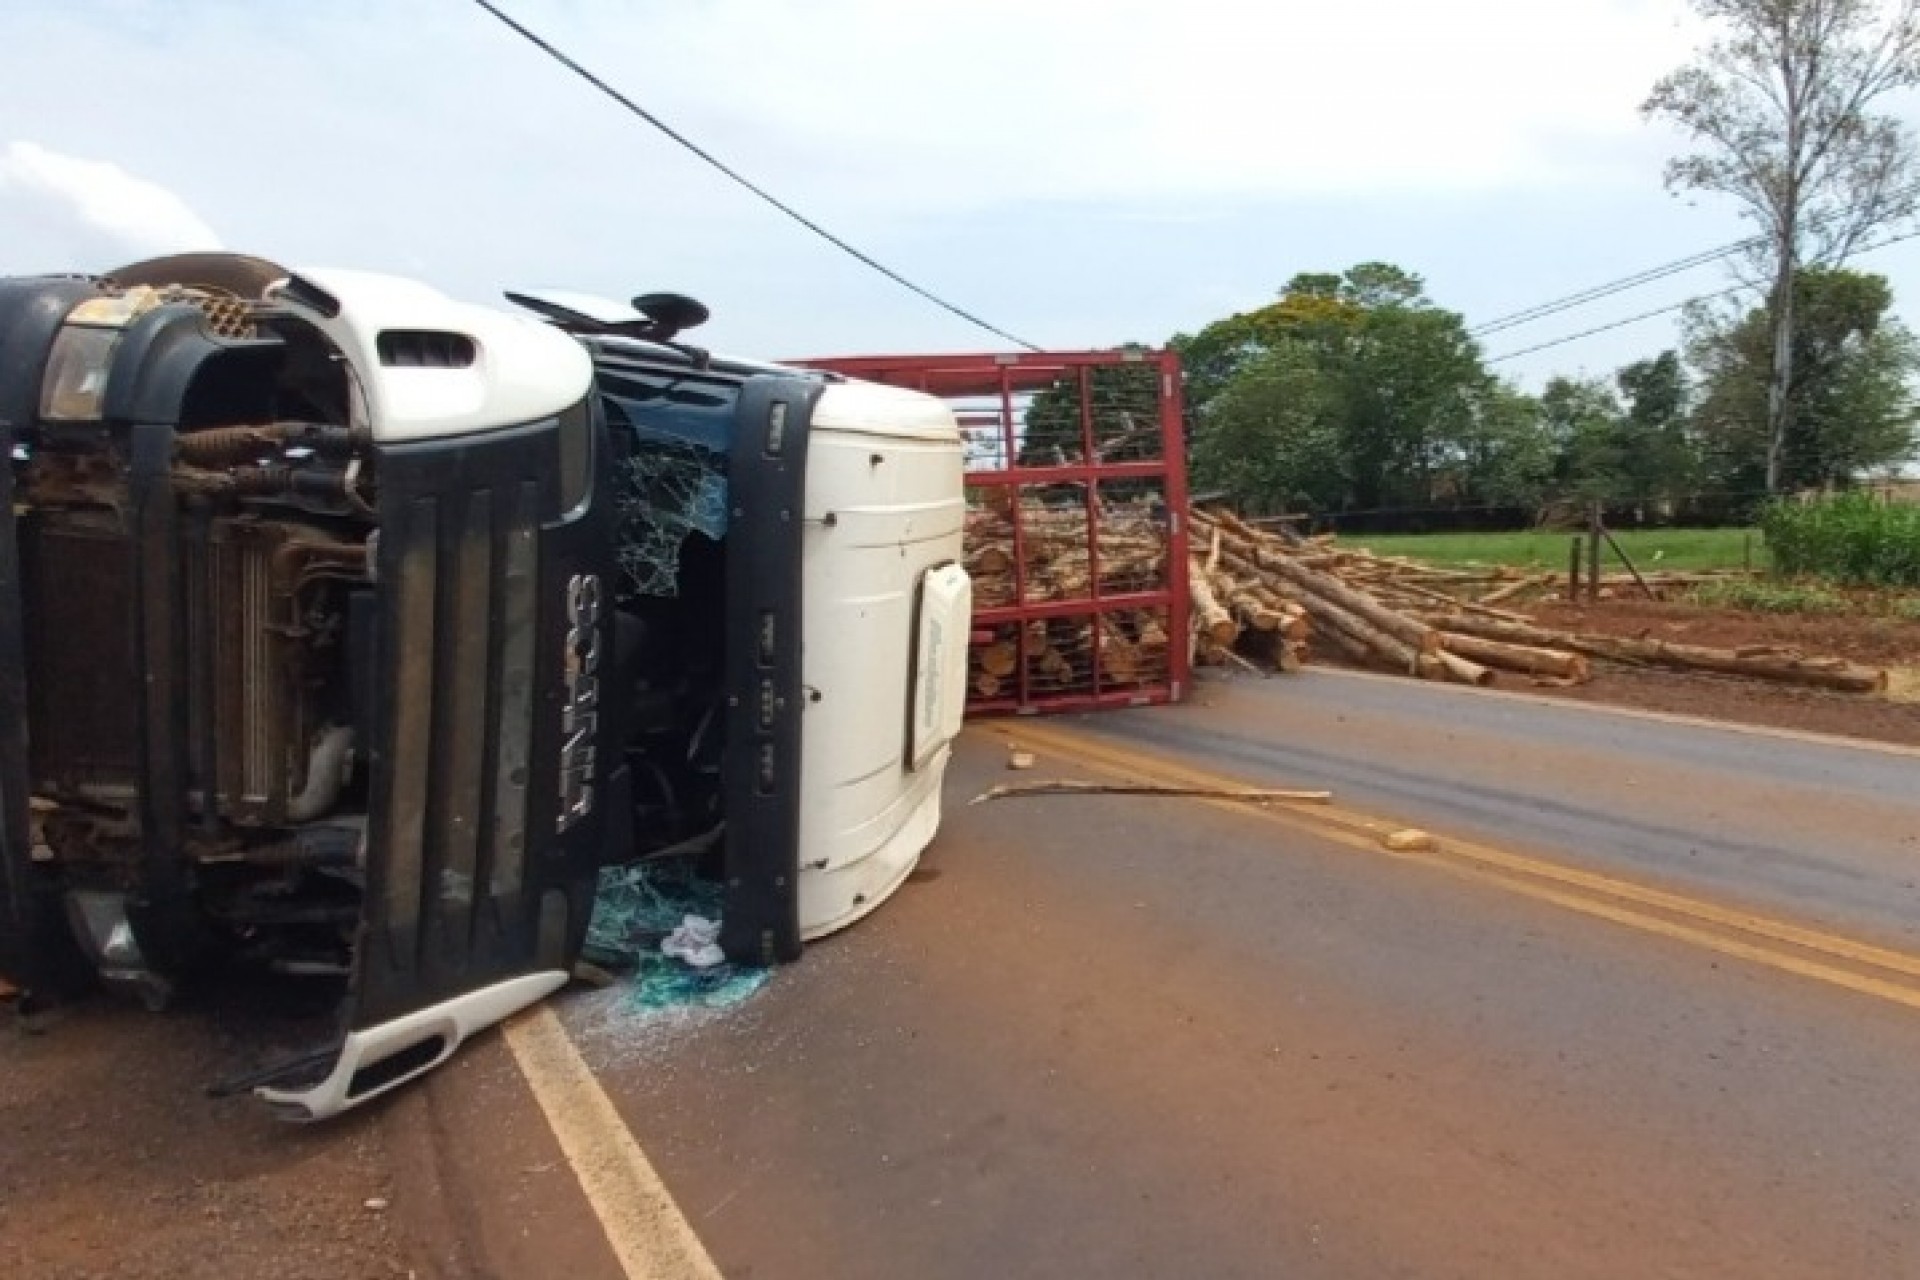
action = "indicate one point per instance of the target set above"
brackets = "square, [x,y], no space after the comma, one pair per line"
[1358,395]
[1850,538]
[1763,595]
[1651,549]
[1760,595]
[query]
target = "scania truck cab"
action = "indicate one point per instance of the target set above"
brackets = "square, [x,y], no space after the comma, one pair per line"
[350,631]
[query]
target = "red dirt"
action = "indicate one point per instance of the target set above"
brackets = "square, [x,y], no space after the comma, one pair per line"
[1878,642]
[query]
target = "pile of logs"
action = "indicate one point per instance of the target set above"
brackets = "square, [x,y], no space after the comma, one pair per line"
[1262,597]
[1443,624]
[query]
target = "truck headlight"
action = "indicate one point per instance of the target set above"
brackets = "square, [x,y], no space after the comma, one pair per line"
[76,378]
[82,357]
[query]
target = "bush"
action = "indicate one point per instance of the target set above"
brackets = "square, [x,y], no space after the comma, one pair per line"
[1850,538]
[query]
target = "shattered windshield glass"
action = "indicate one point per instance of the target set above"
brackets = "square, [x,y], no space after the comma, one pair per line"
[673,480]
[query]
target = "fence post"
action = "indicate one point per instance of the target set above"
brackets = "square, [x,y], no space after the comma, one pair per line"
[1593,553]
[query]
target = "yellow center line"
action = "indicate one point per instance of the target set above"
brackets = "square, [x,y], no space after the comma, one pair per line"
[1600,896]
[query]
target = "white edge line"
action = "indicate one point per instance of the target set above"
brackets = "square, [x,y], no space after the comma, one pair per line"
[650,1237]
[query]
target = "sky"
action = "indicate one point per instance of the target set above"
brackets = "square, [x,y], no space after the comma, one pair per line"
[1081,174]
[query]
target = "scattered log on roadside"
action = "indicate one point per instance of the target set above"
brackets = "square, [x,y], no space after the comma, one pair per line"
[1532,660]
[1787,667]
[1250,795]
[1460,670]
[1513,589]
[1427,598]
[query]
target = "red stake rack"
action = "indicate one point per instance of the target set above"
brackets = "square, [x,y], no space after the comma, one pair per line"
[1063,447]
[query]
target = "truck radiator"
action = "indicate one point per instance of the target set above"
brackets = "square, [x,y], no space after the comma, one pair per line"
[249,726]
[247,722]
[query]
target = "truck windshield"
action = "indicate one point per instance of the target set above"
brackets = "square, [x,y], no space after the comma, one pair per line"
[671,475]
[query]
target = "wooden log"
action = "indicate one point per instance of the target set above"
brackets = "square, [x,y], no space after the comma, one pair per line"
[1293,616]
[999,658]
[992,558]
[1212,619]
[1529,660]
[1460,670]
[1462,623]
[1254,612]
[987,686]
[1381,646]
[1353,648]
[1429,597]
[1329,588]
[1513,589]
[1153,636]
[1792,668]
[1119,659]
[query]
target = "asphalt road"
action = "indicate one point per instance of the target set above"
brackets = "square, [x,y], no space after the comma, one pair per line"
[1622,1022]
[1120,1036]
[1819,828]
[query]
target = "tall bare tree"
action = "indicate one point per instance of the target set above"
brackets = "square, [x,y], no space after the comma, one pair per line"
[1782,107]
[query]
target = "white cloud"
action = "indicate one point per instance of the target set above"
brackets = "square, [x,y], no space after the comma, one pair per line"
[138,217]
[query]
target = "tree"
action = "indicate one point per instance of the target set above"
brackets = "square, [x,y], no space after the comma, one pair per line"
[1855,407]
[1506,457]
[1414,388]
[1782,108]
[1656,457]
[1124,417]
[1400,386]
[1580,418]
[1310,309]
[1269,440]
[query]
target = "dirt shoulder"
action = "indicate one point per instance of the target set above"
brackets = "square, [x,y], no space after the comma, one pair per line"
[115,1163]
[1881,642]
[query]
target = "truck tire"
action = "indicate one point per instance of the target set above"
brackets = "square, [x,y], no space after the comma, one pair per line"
[238,274]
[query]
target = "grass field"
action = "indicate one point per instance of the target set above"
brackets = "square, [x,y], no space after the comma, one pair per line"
[1650,548]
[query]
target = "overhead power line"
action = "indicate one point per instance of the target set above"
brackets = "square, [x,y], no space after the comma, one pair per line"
[837,242]
[1597,292]
[1616,324]
[1661,311]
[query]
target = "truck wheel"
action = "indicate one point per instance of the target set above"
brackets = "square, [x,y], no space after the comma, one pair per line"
[39,953]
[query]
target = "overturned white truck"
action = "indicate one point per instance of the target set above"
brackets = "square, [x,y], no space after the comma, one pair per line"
[350,631]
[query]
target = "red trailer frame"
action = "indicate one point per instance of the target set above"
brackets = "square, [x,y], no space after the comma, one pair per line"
[1115,453]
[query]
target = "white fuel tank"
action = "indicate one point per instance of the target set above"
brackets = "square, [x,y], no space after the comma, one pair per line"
[887,618]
